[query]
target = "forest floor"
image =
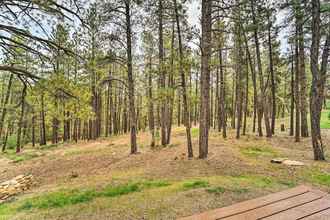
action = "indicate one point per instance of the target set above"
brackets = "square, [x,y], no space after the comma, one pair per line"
[100,180]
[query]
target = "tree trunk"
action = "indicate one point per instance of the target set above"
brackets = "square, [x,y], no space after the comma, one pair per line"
[297,92]
[218,100]
[4,145]
[151,106]
[43,140]
[272,75]
[162,73]
[130,78]
[179,108]
[263,108]
[171,84]
[223,96]
[239,79]
[196,103]
[211,100]
[20,122]
[302,72]
[246,97]
[33,133]
[4,110]
[292,95]
[233,102]
[254,81]
[205,78]
[107,111]
[183,84]
[318,81]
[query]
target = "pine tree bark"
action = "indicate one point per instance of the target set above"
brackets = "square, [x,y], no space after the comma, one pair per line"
[196,104]
[183,85]
[130,78]
[233,102]
[162,73]
[246,97]
[43,140]
[263,108]
[223,96]
[292,105]
[297,91]
[20,122]
[171,84]
[151,118]
[211,101]
[272,74]
[205,78]
[302,72]
[6,100]
[254,81]
[239,79]
[318,81]
[33,132]
[218,101]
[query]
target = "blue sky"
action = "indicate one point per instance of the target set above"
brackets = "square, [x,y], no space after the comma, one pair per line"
[194,14]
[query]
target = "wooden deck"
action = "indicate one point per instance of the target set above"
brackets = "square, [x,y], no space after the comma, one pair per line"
[298,203]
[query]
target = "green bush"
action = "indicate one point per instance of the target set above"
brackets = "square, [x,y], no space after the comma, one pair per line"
[258,151]
[111,191]
[195,184]
[71,197]
[11,142]
[58,199]
[216,190]
[194,132]
[155,184]
[320,178]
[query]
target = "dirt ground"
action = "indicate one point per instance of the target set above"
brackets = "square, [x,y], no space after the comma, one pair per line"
[242,167]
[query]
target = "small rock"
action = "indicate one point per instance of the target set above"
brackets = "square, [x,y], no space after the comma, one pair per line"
[74,175]
[39,154]
[278,160]
[287,162]
[293,163]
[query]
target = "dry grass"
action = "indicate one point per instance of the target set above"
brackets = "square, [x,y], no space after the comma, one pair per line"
[236,170]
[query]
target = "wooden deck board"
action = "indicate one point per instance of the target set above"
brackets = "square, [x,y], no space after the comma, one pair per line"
[303,211]
[323,215]
[297,203]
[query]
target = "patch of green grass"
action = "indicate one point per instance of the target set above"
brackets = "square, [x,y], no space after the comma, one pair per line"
[172,145]
[264,182]
[259,152]
[240,190]
[194,132]
[287,183]
[111,191]
[6,211]
[320,178]
[12,142]
[71,197]
[328,104]
[16,158]
[219,190]
[256,181]
[155,184]
[49,146]
[253,181]
[325,119]
[216,190]
[195,184]
[58,199]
